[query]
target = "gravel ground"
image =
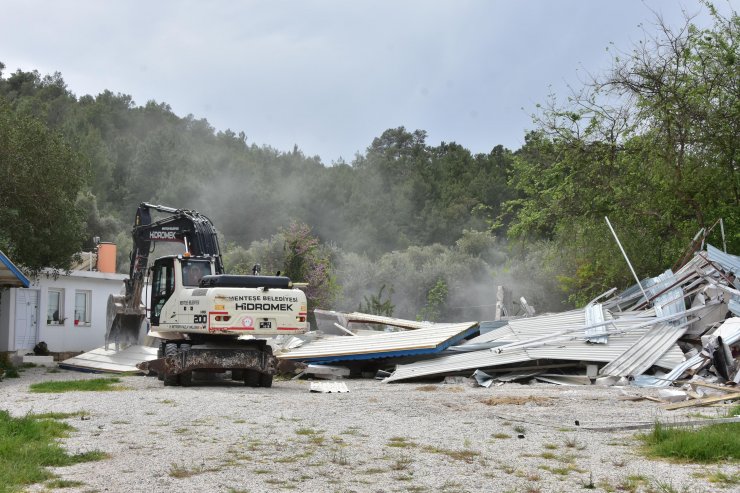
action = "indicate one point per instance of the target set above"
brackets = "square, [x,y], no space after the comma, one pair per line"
[412,437]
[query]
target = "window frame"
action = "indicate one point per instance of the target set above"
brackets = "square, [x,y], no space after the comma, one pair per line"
[88,308]
[61,318]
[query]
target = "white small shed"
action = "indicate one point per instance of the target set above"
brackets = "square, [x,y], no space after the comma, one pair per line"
[67,312]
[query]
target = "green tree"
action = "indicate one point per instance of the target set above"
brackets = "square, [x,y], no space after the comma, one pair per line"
[652,144]
[40,178]
[436,299]
[307,260]
[375,304]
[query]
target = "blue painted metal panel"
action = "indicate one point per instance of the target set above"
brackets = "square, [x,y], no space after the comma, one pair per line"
[14,271]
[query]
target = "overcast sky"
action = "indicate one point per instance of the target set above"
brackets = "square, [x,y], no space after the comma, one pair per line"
[332,75]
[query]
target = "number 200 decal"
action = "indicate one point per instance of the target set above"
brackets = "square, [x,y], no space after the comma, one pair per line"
[199,319]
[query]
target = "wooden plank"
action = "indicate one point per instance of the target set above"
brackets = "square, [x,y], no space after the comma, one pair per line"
[703,402]
[714,386]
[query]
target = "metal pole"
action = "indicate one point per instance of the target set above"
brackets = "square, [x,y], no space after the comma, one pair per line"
[627,259]
[722,228]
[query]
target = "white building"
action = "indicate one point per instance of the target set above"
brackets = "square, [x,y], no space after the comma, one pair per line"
[67,312]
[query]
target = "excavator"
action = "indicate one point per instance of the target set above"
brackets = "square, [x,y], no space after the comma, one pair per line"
[205,320]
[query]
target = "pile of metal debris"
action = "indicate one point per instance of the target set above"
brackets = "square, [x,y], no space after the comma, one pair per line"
[679,325]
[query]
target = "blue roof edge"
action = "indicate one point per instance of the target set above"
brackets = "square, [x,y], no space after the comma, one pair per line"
[16,272]
[396,354]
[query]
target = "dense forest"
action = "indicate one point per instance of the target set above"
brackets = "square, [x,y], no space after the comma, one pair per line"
[407,228]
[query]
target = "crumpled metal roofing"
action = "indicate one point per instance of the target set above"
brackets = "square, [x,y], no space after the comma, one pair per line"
[729,262]
[428,340]
[646,352]
[559,336]
[730,331]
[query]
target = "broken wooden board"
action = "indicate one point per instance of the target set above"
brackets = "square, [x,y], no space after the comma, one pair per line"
[703,402]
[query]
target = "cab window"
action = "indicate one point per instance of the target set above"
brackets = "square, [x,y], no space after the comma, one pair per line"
[193,271]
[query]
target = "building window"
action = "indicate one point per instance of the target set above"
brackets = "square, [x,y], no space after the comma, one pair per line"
[82,307]
[55,307]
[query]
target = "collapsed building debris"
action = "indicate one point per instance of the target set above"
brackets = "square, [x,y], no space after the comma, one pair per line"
[423,341]
[678,324]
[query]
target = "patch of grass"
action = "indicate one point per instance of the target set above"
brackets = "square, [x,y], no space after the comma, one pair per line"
[12,373]
[572,442]
[706,444]
[402,463]
[178,471]
[452,486]
[629,485]
[404,477]
[400,442]
[62,483]
[340,457]
[562,471]
[466,455]
[81,414]
[29,444]
[590,484]
[91,385]
[661,486]
[416,489]
[550,446]
[307,431]
[353,430]
[619,462]
[53,370]
[520,429]
[501,435]
[721,478]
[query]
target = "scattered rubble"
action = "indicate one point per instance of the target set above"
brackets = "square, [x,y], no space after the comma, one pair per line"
[678,325]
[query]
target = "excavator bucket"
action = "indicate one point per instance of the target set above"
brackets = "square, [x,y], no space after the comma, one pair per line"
[125,326]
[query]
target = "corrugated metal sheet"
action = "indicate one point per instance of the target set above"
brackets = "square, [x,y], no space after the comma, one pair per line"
[110,360]
[457,362]
[728,262]
[645,352]
[595,315]
[384,345]
[730,331]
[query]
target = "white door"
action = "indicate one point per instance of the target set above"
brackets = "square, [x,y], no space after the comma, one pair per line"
[26,318]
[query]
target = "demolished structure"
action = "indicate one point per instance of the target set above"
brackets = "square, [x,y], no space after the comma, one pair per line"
[680,324]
